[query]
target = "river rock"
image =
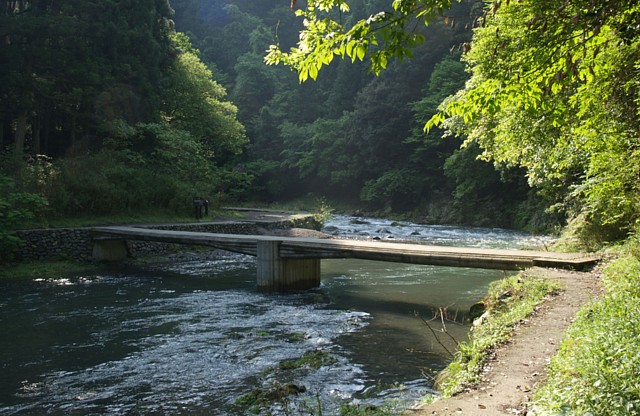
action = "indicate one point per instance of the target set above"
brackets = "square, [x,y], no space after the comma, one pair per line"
[481,319]
[476,310]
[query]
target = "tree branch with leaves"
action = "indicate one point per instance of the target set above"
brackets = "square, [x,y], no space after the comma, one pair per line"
[554,88]
[382,36]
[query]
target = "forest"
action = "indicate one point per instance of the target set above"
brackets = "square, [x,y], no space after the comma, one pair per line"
[118,107]
[111,107]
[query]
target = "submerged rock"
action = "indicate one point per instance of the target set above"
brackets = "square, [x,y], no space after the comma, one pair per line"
[476,310]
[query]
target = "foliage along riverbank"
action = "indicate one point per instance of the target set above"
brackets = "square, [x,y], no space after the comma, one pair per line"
[596,370]
[508,302]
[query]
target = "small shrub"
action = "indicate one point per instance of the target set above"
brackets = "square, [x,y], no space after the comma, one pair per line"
[16,208]
[322,212]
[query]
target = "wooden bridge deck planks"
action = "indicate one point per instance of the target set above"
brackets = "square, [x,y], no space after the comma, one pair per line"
[314,248]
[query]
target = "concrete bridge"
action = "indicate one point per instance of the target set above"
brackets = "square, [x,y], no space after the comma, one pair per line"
[290,263]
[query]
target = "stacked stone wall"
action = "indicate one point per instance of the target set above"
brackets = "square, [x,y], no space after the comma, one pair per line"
[54,244]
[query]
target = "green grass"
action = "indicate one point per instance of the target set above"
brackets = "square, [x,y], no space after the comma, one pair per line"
[597,369]
[509,301]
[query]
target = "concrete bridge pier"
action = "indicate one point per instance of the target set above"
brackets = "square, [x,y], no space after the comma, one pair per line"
[110,250]
[277,274]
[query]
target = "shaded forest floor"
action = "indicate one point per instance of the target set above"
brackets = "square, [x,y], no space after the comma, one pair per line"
[515,370]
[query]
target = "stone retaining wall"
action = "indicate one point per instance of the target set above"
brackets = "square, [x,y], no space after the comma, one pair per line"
[76,243]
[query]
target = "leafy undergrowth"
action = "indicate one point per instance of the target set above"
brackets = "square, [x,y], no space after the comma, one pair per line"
[597,370]
[509,301]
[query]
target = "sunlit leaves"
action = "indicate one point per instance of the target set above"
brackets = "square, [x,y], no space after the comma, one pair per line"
[546,93]
[194,102]
[379,38]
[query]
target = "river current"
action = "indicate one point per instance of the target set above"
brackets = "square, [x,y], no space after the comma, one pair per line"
[195,337]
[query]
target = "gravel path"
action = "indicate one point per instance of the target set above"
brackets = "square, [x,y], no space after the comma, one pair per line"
[515,369]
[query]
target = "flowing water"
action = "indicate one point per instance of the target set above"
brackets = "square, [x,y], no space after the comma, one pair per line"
[195,337]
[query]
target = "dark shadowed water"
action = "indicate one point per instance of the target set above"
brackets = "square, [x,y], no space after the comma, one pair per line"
[193,337]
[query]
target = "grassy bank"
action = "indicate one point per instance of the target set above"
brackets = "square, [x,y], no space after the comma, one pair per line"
[597,370]
[508,302]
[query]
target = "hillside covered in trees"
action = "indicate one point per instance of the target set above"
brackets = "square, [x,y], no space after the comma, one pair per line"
[553,89]
[351,136]
[105,109]
[110,107]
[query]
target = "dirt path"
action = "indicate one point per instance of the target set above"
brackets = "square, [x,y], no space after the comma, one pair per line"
[515,369]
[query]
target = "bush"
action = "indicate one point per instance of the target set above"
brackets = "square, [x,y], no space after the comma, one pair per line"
[151,168]
[16,209]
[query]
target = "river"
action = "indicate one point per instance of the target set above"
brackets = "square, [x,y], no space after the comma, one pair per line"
[195,337]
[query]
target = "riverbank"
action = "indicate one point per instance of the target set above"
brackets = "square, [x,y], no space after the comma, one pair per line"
[518,367]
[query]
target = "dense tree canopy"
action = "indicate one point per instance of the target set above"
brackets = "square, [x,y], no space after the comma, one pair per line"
[350,136]
[65,67]
[553,88]
[105,108]
[119,111]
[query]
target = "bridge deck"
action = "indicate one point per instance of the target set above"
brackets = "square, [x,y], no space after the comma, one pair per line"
[315,248]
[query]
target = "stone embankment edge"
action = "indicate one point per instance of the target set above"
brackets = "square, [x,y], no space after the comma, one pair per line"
[76,243]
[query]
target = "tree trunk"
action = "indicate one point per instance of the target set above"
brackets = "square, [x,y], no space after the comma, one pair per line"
[35,135]
[46,128]
[73,131]
[21,132]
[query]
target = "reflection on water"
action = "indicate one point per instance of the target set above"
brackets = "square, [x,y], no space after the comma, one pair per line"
[193,337]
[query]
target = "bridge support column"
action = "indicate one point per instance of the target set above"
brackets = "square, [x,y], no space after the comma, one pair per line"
[276,274]
[110,250]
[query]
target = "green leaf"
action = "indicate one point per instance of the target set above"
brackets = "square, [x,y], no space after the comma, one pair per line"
[313,71]
[361,50]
